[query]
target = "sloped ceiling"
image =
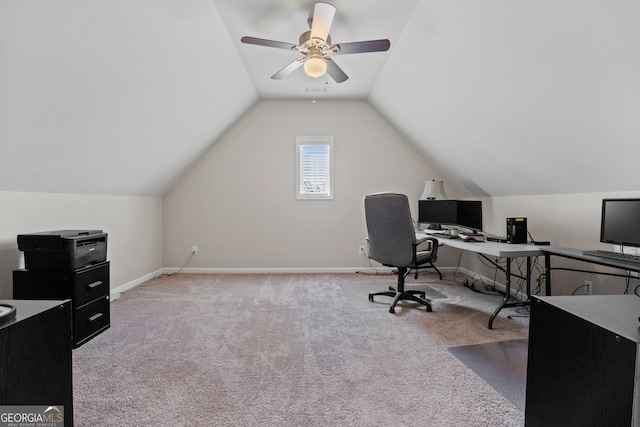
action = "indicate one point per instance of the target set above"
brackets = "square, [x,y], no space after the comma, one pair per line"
[502,97]
[113,96]
[519,97]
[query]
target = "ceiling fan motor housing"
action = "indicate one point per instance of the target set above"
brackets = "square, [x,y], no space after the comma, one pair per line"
[305,38]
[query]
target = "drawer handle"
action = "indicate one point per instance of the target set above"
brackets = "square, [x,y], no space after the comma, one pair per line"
[94,284]
[95,317]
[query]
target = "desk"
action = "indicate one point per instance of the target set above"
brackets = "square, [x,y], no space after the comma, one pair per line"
[583,361]
[577,254]
[35,356]
[500,250]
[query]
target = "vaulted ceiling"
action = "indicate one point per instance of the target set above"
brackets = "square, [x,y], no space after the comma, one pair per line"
[502,97]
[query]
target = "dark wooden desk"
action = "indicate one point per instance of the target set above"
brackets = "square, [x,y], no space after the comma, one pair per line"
[576,254]
[583,361]
[35,356]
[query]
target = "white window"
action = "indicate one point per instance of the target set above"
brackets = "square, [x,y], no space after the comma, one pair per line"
[314,167]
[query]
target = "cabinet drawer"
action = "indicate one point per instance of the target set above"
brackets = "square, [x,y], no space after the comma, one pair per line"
[90,319]
[82,285]
[91,283]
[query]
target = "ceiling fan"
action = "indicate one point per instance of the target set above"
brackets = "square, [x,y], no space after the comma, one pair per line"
[315,47]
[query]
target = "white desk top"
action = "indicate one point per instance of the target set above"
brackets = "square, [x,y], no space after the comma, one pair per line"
[497,249]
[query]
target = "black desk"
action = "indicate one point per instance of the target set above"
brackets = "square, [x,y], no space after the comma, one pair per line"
[583,361]
[35,356]
[577,254]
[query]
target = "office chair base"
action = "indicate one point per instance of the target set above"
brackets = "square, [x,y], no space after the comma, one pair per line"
[416,296]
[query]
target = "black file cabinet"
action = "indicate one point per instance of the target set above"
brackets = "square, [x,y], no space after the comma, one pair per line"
[87,288]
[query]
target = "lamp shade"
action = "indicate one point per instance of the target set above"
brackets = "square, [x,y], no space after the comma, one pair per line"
[433,190]
[315,67]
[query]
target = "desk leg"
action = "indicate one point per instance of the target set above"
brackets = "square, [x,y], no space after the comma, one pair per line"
[507,294]
[529,278]
[547,273]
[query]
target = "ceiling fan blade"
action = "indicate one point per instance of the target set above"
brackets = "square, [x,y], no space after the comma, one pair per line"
[335,72]
[363,47]
[323,14]
[289,69]
[269,43]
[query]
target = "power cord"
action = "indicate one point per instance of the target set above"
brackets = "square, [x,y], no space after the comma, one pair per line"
[376,272]
[179,270]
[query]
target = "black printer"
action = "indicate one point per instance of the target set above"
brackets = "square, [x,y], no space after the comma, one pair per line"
[63,249]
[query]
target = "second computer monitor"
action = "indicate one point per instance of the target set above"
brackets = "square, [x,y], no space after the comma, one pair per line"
[463,213]
[619,222]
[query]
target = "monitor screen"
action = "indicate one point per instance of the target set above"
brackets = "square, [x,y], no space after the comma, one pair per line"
[620,222]
[464,213]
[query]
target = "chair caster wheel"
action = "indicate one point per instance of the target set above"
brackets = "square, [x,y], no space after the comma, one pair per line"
[429,309]
[371,298]
[391,310]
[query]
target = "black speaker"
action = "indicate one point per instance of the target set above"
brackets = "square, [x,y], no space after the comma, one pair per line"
[517,230]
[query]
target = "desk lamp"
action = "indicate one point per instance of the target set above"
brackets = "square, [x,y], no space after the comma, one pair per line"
[433,190]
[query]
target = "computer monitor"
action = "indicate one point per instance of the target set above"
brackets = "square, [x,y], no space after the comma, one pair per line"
[463,213]
[620,222]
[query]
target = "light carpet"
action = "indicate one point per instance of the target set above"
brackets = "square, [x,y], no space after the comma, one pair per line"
[289,350]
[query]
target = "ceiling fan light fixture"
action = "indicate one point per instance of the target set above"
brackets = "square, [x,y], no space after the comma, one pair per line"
[315,67]
[315,47]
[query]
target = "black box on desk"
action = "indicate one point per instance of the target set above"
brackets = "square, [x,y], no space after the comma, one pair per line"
[517,230]
[63,249]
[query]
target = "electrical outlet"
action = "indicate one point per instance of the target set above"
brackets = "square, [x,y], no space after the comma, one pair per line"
[361,250]
[194,250]
[588,287]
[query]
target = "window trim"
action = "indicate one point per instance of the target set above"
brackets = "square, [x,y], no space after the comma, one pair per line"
[313,140]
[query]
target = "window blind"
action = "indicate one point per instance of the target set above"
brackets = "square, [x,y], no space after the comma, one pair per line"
[314,168]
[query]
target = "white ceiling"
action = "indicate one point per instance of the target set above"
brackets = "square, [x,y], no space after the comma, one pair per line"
[502,97]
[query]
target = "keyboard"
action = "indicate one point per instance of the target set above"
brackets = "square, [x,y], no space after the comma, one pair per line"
[438,234]
[613,255]
[444,236]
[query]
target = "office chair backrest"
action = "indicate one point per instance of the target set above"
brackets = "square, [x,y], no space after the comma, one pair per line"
[390,229]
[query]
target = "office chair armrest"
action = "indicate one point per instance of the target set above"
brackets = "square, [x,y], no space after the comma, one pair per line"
[421,240]
[433,244]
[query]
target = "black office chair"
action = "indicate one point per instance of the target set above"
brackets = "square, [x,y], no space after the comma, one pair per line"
[392,242]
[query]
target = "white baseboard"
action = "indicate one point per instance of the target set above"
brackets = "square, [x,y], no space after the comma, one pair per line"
[521,296]
[114,294]
[272,270]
